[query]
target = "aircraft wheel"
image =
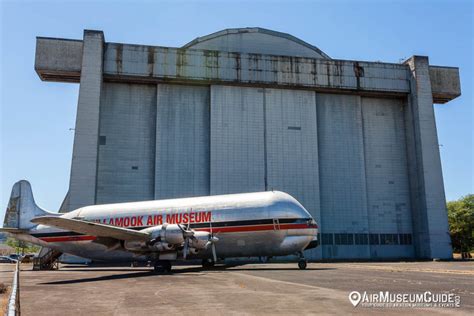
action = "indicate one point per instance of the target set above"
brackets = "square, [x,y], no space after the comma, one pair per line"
[302,264]
[207,263]
[162,266]
[167,266]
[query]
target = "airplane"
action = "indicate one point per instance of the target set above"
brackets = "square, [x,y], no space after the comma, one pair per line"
[261,224]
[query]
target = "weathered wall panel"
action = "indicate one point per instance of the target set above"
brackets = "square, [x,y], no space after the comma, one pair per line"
[237,153]
[182,141]
[127,143]
[445,83]
[386,169]
[59,60]
[148,63]
[292,147]
[342,171]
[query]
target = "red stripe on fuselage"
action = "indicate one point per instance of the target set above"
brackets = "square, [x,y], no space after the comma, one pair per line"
[236,229]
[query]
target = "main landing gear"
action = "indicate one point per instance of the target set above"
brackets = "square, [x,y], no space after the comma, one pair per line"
[302,262]
[162,266]
[207,263]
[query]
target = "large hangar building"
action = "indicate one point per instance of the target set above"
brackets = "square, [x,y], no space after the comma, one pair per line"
[251,109]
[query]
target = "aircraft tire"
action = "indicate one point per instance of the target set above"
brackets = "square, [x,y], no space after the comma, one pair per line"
[207,263]
[302,264]
[162,266]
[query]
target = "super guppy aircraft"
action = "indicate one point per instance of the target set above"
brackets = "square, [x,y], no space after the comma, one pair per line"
[262,224]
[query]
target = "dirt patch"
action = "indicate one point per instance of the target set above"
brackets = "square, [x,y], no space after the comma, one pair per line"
[4,295]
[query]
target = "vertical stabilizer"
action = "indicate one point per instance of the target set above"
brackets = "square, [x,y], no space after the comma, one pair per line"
[22,207]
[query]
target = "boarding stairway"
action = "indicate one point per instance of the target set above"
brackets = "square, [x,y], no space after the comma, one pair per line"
[47,259]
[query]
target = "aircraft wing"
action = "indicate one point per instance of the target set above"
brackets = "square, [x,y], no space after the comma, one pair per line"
[90,228]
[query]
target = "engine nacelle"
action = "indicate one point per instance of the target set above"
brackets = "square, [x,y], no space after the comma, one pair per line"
[135,245]
[162,246]
[200,240]
[167,233]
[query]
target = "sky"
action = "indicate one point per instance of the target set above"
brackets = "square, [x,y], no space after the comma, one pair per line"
[36,117]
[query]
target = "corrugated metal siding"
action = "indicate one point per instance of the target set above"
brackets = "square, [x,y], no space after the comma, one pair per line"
[342,171]
[387,172]
[237,148]
[292,147]
[182,141]
[127,160]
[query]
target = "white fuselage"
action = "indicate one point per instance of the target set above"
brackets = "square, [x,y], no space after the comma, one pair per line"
[250,224]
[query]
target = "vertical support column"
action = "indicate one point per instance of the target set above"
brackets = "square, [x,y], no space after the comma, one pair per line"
[82,185]
[430,220]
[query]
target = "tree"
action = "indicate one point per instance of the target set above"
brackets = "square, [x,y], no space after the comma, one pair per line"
[461,223]
[21,246]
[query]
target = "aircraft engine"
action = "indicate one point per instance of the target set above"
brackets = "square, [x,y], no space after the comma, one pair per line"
[167,233]
[162,246]
[134,245]
[172,233]
[200,240]
[167,237]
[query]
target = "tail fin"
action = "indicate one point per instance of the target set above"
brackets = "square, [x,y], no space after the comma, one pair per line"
[22,207]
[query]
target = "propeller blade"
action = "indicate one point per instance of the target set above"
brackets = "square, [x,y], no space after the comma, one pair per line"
[186,231]
[185,249]
[214,255]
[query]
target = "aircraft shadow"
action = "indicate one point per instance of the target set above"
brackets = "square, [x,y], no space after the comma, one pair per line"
[102,278]
[148,272]
[87,269]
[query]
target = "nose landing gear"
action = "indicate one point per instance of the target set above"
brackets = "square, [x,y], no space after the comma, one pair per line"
[302,262]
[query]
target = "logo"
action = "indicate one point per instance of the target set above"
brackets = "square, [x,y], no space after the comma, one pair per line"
[355,297]
[386,299]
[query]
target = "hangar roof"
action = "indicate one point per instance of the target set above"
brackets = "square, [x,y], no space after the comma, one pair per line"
[256,40]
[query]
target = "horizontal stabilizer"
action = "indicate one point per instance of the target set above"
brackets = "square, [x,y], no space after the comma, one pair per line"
[13,230]
[92,229]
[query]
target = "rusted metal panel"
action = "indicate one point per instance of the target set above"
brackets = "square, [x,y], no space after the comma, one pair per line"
[136,62]
[60,60]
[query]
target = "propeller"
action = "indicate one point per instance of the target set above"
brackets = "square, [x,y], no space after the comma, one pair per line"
[187,233]
[190,234]
[212,241]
